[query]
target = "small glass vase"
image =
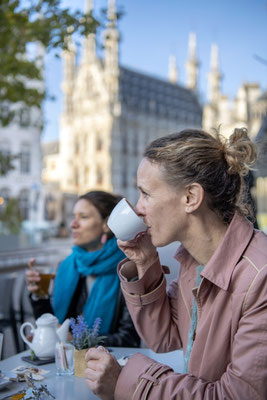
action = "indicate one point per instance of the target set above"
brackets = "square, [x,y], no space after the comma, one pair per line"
[79,362]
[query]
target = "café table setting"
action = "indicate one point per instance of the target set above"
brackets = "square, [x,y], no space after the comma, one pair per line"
[50,368]
[69,387]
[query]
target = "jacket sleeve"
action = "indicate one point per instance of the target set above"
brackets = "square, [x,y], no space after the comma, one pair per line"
[154,312]
[244,377]
[123,333]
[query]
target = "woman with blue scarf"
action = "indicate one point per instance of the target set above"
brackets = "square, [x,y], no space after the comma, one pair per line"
[86,281]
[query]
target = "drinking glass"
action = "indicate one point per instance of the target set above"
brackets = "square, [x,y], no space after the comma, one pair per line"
[47,273]
[64,358]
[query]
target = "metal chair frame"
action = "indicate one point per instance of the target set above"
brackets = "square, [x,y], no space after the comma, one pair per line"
[7,312]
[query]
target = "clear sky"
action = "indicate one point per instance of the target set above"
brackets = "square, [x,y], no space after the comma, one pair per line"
[151,30]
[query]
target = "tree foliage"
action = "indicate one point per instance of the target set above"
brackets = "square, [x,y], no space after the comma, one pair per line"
[6,163]
[10,216]
[24,23]
[26,27]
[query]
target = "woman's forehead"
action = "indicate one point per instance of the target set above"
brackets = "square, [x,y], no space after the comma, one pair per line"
[149,174]
[83,204]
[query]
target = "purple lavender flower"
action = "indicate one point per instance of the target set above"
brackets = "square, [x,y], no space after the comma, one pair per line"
[96,327]
[82,336]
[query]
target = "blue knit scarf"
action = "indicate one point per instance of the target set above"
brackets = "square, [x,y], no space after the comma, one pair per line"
[102,264]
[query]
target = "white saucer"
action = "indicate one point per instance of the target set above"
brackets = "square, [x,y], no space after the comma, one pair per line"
[4,382]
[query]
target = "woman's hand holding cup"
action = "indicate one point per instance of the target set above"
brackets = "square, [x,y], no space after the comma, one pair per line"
[133,240]
[141,251]
[32,277]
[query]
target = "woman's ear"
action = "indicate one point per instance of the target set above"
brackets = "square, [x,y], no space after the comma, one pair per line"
[194,197]
[105,226]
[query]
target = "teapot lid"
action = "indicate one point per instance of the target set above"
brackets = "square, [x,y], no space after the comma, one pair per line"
[46,319]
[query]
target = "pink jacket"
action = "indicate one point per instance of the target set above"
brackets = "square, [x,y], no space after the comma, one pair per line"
[229,353]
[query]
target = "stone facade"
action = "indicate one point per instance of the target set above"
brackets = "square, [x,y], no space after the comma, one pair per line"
[247,109]
[22,137]
[261,171]
[111,113]
[24,182]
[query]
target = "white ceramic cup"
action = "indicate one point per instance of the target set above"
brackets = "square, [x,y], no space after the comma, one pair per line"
[124,222]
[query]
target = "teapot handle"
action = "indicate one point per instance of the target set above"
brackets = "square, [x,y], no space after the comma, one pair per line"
[22,333]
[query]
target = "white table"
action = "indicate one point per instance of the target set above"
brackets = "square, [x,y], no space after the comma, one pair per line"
[75,388]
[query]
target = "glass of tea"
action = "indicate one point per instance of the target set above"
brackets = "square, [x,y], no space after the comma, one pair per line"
[47,274]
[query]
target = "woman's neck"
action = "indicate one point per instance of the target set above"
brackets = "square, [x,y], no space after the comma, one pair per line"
[93,245]
[206,235]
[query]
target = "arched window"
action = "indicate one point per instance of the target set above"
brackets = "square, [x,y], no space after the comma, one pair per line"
[24,203]
[99,176]
[99,143]
[24,117]
[25,158]
[5,147]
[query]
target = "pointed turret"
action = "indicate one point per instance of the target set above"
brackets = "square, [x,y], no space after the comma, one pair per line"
[214,76]
[111,38]
[192,64]
[172,69]
[69,60]
[111,48]
[89,42]
[88,6]
[69,69]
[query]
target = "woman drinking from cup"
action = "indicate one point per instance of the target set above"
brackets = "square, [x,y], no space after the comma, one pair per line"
[191,190]
[86,282]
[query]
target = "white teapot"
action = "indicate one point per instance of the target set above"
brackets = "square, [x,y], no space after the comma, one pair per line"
[46,335]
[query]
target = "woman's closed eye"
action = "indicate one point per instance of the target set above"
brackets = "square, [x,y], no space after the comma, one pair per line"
[145,194]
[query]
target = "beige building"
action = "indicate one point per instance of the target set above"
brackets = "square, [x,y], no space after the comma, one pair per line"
[111,113]
[247,109]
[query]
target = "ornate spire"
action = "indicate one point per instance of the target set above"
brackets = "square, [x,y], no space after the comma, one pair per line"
[214,76]
[214,58]
[89,42]
[112,17]
[192,63]
[88,6]
[192,46]
[69,69]
[69,60]
[111,41]
[172,69]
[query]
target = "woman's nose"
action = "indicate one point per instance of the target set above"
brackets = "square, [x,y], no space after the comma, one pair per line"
[74,223]
[139,208]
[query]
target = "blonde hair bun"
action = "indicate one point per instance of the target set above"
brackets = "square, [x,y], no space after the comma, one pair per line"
[239,152]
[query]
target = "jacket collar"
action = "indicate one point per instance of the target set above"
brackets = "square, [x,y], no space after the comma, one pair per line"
[221,265]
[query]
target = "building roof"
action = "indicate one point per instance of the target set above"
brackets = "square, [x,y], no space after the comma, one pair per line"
[144,93]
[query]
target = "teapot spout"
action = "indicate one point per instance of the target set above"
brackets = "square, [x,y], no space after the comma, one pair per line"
[63,330]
